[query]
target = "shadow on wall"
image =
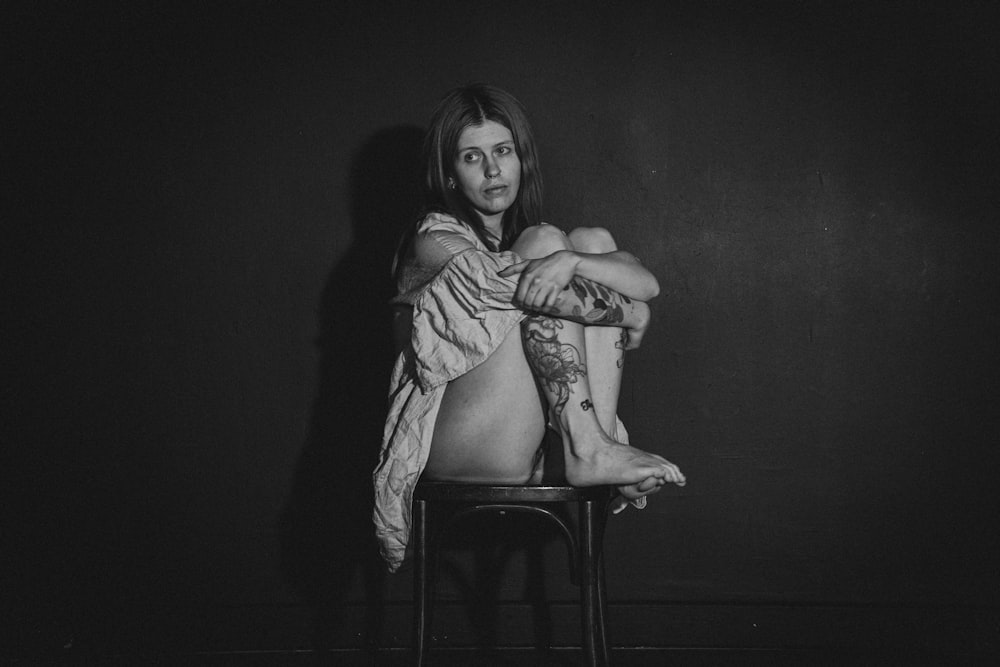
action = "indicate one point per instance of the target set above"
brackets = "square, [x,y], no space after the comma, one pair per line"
[327,535]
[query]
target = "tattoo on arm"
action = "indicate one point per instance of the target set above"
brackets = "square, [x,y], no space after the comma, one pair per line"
[592,303]
[556,365]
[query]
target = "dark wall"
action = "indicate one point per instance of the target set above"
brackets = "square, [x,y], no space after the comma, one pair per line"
[201,208]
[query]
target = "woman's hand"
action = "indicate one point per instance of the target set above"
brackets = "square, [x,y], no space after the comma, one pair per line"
[542,281]
[635,333]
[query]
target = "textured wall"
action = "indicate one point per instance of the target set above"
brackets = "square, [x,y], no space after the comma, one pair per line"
[204,205]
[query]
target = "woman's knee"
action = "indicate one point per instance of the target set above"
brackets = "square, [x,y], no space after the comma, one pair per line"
[540,241]
[592,239]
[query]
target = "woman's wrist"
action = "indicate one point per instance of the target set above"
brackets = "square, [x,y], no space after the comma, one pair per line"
[575,260]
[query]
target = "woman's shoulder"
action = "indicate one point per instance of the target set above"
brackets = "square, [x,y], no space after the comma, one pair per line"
[440,231]
[436,221]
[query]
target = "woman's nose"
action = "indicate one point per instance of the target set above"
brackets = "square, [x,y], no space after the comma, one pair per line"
[492,168]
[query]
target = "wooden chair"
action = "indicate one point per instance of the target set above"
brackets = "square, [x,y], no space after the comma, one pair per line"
[584,541]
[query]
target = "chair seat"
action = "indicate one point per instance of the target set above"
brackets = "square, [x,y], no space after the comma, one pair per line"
[494,493]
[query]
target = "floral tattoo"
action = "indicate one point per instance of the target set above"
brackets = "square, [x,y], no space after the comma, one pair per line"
[556,365]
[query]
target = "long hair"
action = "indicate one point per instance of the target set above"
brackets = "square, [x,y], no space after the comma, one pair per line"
[469,105]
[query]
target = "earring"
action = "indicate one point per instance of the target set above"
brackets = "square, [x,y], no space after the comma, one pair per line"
[451,183]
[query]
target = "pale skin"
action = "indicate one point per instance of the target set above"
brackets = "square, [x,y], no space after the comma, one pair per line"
[563,367]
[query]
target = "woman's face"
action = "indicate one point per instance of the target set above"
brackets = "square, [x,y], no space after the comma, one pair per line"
[488,171]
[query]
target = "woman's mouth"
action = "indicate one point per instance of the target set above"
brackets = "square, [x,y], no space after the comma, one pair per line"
[495,190]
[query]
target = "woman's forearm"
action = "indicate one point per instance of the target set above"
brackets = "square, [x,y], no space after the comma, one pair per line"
[542,280]
[593,304]
[620,271]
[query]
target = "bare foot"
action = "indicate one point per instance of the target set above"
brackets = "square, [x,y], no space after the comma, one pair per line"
[635,494]
[609,462]
[651,485]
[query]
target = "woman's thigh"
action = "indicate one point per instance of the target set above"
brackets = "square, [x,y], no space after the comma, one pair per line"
[491,421]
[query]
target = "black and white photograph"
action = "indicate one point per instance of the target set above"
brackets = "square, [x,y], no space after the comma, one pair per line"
[538,333]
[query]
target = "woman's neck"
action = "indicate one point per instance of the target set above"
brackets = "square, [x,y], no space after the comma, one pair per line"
[494,227]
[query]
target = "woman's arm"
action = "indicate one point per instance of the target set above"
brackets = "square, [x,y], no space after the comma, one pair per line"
[621,271]
[591,303]
[548,276]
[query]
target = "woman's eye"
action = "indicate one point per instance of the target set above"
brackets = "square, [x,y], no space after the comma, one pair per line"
[503,150]
[471,157]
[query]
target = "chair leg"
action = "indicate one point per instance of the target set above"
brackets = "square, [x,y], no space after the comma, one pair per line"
[420,602]
[591,616]
[603,650]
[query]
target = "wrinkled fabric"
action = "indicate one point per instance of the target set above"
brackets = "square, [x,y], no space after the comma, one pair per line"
[461,314]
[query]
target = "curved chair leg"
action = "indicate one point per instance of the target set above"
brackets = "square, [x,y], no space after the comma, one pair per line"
[585,545]
[420,620]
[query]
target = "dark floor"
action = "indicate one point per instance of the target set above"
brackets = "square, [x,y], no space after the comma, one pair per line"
[633,657]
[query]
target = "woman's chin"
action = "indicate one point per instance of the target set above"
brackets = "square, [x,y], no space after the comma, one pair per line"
[491,208]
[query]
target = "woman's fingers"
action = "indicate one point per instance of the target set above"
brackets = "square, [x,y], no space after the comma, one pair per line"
[551,296]
[528,291]
[541,278]
[634,339]
[521,293]
[540,284]
[535,293]
[513,269]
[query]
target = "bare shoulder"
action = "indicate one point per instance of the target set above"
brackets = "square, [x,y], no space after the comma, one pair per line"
[439,238]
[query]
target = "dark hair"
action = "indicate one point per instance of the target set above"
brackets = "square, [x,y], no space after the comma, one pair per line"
[469,105]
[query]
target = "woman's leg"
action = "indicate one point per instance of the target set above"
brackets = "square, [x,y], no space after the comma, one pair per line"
[491,422]
[605,346]
[579,373]
[605,349]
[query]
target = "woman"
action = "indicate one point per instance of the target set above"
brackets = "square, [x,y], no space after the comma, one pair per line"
[506,327]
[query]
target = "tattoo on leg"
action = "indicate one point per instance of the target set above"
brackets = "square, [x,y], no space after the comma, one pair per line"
[586,404]
[556,365]
[620,345]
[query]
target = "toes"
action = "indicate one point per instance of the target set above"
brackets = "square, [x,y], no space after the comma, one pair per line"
[673,474]
[648,484]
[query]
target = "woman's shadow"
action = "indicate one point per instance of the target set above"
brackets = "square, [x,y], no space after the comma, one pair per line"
[326,530]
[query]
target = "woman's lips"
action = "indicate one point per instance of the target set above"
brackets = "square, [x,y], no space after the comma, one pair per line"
[495,190]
